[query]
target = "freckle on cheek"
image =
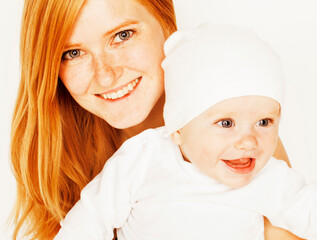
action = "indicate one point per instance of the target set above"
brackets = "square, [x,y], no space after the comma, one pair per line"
[142,58]
[77,83]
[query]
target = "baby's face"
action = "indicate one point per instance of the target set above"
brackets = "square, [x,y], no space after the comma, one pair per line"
[233,140]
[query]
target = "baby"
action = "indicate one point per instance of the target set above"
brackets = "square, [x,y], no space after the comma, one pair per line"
[209,173]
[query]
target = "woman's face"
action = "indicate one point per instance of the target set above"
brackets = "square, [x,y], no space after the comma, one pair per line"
[112,61]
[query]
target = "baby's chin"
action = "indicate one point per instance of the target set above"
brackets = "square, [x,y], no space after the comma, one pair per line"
[237,184]
[242,180]
[238,180]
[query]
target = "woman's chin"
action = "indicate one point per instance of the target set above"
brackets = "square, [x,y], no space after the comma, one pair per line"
[127,122]
[146,117]
[125,125]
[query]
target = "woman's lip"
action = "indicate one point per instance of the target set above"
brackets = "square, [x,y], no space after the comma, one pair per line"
[120,92]
[240,166]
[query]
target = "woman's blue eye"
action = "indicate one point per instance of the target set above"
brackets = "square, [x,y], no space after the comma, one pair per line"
[123,36]
[226,123]
[264,122]
[74,53]
[71,54]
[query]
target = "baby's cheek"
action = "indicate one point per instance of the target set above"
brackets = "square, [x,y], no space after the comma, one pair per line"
[271,142]
[207,156]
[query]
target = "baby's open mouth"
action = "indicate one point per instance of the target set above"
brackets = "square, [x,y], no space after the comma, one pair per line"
[242,162]
[122,91]
[241,165]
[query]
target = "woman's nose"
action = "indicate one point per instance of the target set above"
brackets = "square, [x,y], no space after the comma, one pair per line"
[246,142]
[106,70]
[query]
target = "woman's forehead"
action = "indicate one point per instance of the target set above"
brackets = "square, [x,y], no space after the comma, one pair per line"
[98,16]
[111,12]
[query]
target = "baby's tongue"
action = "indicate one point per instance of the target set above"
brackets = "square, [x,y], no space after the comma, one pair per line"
[240,161]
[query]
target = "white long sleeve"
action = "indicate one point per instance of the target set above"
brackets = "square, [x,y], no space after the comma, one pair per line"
[148,192]
[105,202]
[293,203]
[283,196]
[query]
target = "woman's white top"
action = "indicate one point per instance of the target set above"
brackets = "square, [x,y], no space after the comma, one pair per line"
[148,192]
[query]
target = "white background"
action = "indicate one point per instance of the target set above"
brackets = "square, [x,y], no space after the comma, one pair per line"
[289,26]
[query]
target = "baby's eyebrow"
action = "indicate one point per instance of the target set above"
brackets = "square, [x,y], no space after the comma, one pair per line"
[273,113]
[222,111]
[221,115]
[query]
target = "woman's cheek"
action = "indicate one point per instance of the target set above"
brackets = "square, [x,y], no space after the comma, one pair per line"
[138,59]
[76,78]
[146,56]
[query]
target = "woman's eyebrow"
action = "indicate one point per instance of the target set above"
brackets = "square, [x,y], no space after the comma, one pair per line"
[110,32]
[71,46]
[121,25]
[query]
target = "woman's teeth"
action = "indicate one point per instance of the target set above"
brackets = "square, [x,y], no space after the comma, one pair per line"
[122,92]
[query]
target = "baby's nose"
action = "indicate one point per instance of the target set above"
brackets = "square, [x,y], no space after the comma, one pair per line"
[246,142]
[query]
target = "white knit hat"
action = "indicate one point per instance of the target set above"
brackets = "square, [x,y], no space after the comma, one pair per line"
[211,63]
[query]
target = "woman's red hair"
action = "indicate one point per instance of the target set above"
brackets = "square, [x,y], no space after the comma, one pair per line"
[57,147]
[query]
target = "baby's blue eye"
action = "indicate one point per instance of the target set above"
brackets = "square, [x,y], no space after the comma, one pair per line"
[264,122]
[225,123]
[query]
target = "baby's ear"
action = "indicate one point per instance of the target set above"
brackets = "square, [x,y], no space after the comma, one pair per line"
[176,137]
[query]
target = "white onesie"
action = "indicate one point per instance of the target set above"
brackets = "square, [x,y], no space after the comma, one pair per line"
[148,192]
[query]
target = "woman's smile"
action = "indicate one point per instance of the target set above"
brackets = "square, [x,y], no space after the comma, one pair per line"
[121,92]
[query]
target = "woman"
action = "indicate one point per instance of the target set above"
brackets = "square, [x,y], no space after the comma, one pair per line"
[90,79]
